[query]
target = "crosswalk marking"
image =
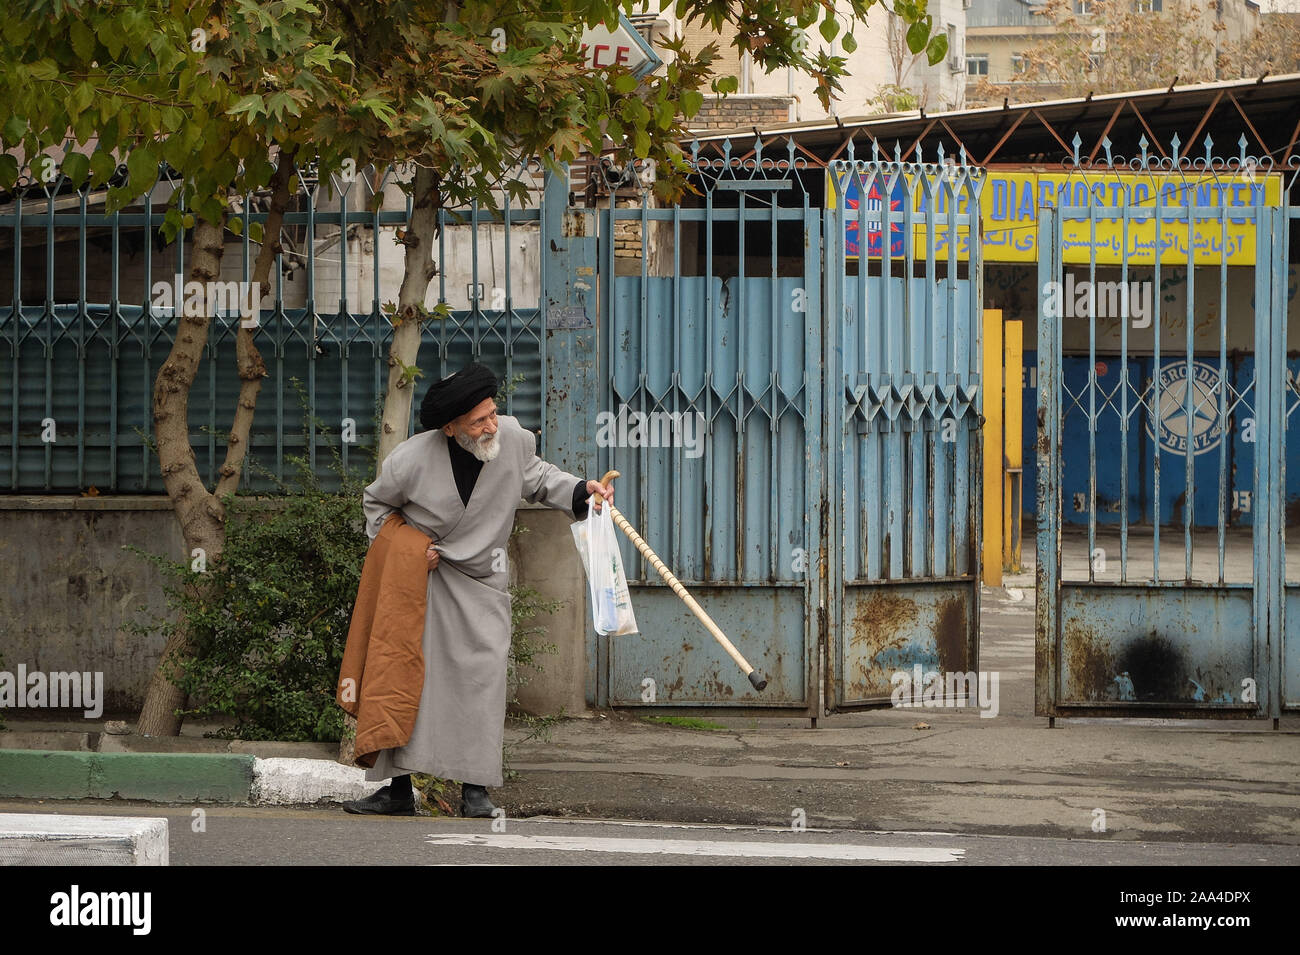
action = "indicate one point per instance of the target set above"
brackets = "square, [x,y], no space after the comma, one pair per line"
[691,847]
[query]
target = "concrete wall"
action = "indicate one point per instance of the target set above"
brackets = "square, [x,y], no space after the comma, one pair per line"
[67,587]
[544,558]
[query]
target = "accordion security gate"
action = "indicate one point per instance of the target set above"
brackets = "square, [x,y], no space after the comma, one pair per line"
[902,400]
[829,521]
[716,332]
[1138,619]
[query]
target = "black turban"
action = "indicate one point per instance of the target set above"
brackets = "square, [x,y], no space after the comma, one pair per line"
[456,394]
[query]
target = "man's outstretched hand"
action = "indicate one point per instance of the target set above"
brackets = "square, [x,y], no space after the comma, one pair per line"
[595,487]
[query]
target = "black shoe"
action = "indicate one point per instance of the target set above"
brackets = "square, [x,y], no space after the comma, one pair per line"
[474,802]
[381,803]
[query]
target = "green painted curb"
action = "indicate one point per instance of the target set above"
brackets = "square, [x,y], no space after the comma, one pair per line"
[156,777]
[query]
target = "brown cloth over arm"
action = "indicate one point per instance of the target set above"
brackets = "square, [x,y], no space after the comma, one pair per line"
[382,674]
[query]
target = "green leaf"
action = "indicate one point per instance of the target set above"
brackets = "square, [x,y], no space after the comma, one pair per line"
[917,34]
[44,70]
[830,27]
[142,167]
[8,170]
[83,41]
[642,143]
[236,225]
[76,166]
[848,43]
[81,98]
[13,130]
[937,49]
[102,166]
[625,83]
[255,231]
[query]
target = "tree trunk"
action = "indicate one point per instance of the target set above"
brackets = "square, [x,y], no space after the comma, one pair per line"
[199,512]
[418,272]
[416,276]
[202,515]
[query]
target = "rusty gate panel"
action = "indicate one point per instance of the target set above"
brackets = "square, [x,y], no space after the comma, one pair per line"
[902,397]
[893,628]
[1129,648]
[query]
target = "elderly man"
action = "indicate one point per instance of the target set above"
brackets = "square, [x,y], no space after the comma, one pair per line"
[459,482]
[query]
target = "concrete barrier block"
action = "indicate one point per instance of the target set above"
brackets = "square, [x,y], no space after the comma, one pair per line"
[52,839]
[157,777]
[290,782]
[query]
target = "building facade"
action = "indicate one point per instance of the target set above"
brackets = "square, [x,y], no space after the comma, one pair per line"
[1028,50]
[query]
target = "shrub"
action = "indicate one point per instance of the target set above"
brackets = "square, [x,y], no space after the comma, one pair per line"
[268,621]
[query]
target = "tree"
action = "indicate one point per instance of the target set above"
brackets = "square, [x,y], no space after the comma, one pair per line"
[1113,48]
[231,94]
[1274,48]
[897,97]
[224,95]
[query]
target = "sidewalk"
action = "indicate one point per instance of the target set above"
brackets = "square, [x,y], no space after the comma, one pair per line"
[1205,781]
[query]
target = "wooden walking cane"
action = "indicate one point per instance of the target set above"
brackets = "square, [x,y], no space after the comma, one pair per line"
[754,677]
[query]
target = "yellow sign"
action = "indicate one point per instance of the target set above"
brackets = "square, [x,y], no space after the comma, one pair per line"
[1009,204]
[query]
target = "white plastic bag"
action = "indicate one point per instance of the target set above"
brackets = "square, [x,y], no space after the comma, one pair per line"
[611,603]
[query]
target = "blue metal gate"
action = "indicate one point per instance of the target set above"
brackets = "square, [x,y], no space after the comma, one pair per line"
[710,408]
[1140,618]
[902,400]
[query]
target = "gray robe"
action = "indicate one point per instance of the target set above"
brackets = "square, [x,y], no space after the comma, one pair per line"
[461,723]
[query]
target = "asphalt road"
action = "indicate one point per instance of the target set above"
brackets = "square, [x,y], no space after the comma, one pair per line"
[251,836]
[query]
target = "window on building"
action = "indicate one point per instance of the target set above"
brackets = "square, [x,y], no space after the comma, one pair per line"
[1094,62]
[977,65]
[1147,6]
[1083,6]
[1017,63]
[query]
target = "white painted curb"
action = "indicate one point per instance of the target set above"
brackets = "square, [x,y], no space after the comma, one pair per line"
[295,782]
[51,839]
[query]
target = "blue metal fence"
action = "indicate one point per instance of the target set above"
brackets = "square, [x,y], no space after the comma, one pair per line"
[84,340]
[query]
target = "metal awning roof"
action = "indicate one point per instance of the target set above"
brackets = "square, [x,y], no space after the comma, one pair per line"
[1266,111]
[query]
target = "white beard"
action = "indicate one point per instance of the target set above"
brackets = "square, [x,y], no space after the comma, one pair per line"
[487,447]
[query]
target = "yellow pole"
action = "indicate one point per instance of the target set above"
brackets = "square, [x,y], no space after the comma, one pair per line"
[1013,443]
[991,387]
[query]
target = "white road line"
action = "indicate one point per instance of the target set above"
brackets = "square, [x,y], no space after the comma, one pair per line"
[690,847]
